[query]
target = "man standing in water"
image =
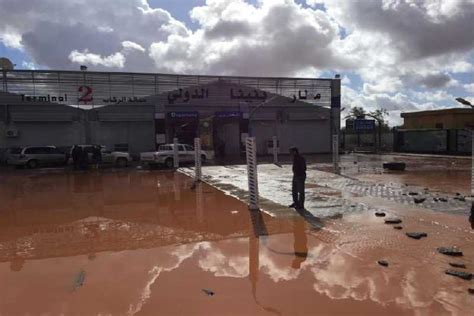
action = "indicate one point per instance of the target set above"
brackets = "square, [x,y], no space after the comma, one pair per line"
[299,177]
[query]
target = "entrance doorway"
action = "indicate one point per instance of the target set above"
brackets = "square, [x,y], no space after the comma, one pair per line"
[227,137]
[182,126]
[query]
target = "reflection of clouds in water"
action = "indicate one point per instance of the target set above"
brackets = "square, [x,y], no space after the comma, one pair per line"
[169,262]
[227,259]
[346,277]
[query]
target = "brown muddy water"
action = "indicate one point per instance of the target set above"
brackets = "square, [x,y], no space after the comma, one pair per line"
[148,243]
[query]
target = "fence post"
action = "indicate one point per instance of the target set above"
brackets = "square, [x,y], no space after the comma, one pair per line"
[252,173]
[275,150]
[197,159]
[175,153]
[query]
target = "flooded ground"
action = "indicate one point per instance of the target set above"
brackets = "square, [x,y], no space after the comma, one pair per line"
[133,242]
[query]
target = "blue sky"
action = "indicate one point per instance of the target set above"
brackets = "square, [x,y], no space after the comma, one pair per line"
[396,55]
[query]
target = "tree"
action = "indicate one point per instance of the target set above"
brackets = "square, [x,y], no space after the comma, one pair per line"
[379,115]
[357,112]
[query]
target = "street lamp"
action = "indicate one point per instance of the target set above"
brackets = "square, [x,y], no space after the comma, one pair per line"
[466,102]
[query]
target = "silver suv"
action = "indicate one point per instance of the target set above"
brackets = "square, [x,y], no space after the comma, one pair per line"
[33,157]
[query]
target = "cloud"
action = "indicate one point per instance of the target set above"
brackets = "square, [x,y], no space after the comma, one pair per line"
[115,60]
[469,87]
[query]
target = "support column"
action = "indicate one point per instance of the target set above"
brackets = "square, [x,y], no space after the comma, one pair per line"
[335,119]
[175,153]
[275,150]
[197,159]
[252,173]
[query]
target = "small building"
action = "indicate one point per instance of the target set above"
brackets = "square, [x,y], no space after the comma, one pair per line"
[445,131]
[456,118]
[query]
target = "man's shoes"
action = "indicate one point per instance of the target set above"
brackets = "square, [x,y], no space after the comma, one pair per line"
[292,205]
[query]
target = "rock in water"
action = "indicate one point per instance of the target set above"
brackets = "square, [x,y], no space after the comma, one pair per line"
[412,193]
[451,251]
[393,221]
[79,280]
[379,214]
[383,263]
[417,235]
[457,265]
[208,292]
[397,227]
[460,274]
[419,200]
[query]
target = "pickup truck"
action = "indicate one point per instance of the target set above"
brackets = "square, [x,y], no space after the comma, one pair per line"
[164,155]
[117,158]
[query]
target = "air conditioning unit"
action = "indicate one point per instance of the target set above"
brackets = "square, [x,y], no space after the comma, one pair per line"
[11,133]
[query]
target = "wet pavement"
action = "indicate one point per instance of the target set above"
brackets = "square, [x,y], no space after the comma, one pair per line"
[137,242]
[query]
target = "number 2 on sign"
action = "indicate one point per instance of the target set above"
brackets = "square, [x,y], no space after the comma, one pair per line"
[86,94]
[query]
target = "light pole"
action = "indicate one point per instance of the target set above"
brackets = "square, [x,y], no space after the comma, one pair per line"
[466,102]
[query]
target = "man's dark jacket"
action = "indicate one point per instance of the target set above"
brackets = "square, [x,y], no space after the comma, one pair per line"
[299,166]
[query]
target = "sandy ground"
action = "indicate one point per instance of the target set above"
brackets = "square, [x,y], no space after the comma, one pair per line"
[135,242]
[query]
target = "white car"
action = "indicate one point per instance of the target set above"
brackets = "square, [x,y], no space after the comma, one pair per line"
[165,155]
[117,158]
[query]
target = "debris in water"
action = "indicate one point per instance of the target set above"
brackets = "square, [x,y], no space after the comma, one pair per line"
[398,227]
[412,193]
[380,214]
[79,280]
[451,251]
[460,274]
[234,212]
[208,292]
[393,221]
[457,265]
[443,199]
[383,263]
[417,235]
[419,200]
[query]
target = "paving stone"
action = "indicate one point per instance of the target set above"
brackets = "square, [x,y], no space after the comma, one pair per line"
[457,265]
[393,221]
[450,251]
[460,274]
[417,235]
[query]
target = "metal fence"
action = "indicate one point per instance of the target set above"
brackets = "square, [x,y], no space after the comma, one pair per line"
[101,88]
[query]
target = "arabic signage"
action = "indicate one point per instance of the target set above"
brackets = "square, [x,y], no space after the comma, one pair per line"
[251,95]
[364,125]
[306,96]
[186,96]
[85,97]
[183,115]
[228,114]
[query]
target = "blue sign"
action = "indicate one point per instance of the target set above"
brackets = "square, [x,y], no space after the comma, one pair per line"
[181,115]
[364,125]
[228,114]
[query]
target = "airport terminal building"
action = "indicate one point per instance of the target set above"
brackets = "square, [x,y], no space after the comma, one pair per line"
[137,112]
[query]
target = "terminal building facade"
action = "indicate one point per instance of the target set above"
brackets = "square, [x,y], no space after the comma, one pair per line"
[138,112]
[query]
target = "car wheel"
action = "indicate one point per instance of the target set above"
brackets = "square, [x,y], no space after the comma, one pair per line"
[32,164]
[121,162]
[203,159]
[169,163]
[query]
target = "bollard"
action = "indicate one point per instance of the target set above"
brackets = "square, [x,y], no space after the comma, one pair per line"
[335,153]
[252,173]
[175,153]
[275,150]
[197,159]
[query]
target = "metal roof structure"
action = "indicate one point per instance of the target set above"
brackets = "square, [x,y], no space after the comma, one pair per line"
[93,88]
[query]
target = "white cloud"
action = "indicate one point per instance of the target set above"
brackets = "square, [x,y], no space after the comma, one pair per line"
[116,60]
[469,87]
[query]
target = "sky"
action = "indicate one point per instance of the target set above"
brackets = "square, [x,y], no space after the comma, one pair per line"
[398,55]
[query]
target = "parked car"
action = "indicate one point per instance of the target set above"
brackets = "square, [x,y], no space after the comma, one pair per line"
[35,156]
[117,158]
[165,155]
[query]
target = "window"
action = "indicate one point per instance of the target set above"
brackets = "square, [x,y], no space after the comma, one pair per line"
[188,148]
[52,151]
[439,125]
[181,148]
[36,151]
[164,148]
